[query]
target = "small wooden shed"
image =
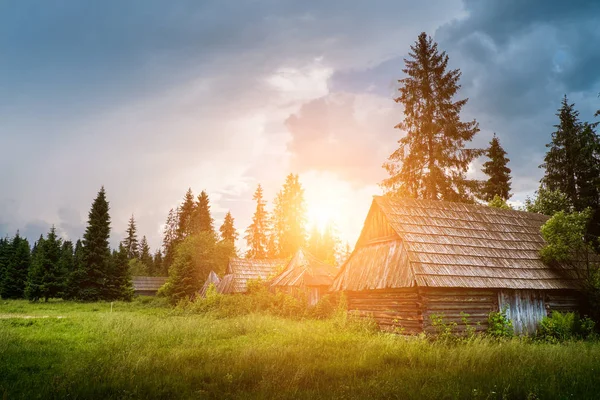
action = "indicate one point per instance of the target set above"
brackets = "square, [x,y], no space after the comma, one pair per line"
[213,279]
[244,269]
[419,258]
[147,285]
[305,275]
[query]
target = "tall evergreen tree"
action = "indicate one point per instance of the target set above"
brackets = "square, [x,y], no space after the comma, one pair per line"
[144,254]
[77,271]
[170,234]
[5,255]
[498,183]
[118,284]
[227,230]
[431,161]
[96,252]
[289,217]
[185,225]
[14,278]
[572,164]
[202,220]
[256,233]
[46,278]
[324,245]
[158,265]
[131,241]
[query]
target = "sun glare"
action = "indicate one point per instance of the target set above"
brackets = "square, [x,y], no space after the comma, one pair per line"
[322,202]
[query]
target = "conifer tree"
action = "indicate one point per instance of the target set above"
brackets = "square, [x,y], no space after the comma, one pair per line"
[144,254]
[46,279]
[14,278]
[96,266]
[118,284]
[324,245]
[228,232]
[77,271]
[256,233]
[5,255]
[572,164]
[170,235]
[431,161]
[131,241]
[158,265]
[289,217]
[202,220]
[185,225]
[498,183]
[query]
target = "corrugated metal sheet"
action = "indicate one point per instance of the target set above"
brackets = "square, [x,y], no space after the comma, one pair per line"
[213,278]
[304,269]
[444,244]
[244,269]
[147,284]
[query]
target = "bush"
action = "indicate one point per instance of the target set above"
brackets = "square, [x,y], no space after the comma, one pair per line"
[560,327]
[499,325]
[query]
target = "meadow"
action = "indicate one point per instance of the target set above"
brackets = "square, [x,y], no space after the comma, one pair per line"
[148,350]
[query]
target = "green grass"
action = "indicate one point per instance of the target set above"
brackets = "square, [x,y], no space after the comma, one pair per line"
[145,350]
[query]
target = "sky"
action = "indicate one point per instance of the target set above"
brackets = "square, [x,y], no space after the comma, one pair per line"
[151,97]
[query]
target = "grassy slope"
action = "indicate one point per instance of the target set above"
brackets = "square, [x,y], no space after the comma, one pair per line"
[146,351]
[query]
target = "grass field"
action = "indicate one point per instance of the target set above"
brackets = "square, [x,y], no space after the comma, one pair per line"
[146,350]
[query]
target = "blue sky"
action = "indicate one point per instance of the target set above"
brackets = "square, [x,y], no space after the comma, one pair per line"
[150,97]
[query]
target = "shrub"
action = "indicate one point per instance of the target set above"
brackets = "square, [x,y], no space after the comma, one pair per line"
[499,325]
[565,326]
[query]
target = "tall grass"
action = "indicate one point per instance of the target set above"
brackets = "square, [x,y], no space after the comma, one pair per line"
[146,351]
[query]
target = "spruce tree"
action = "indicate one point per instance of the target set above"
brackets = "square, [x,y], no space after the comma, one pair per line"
[96,266]
[144,254]
[131,241]
[119,286]
[170,234]
[158,265]
[290,217]
[228,237]
[202,220]
[431,161]
[14,278]
[572,164]
[498,183]
[256,233]
[46,278]
[5,255]
[185,224]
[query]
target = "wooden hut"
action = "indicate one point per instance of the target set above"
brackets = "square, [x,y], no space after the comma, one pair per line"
[243,269]
[213,279]
[419,258]
[305,275]
[147,285]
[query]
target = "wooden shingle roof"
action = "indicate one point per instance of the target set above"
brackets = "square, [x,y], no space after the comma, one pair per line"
[243,269]
[304,269]
[148,283]
[213,279]
[444,244]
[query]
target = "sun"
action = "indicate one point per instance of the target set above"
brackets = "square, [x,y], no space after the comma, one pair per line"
[320,215]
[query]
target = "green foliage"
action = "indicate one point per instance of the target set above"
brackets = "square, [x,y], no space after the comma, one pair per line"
[560,327]
[324,245]
[227,230]
[499,202]
[142,350]
[431,161]
[498,183]
[16,259]
[256,233]
[499,325]
[202,221]
[46,278]
[131,242]
[145,256]
[185,215]
[92,277]
[137,267]
[548,202]
[289,219]
[565,237]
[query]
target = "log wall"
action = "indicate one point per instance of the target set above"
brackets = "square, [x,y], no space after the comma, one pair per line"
[394,309]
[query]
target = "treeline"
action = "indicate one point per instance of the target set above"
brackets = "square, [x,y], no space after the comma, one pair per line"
[192,247]
[55,268]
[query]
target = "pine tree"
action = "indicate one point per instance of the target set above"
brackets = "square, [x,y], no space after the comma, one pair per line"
[572,164]
[202,220]
[498,183]
[170,239]
[46,279]
[431,161]
[324,245]
[144,254]
[256,233]
[185,224]
[118,284]
[5,255]
[14,278]
[158,265]
[96,266]
[289,217]
[131,241]
[77,272]
[229,234]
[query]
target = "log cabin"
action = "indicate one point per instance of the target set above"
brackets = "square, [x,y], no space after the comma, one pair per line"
[147,285]
[418,260]
[305,276]
[241,270]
